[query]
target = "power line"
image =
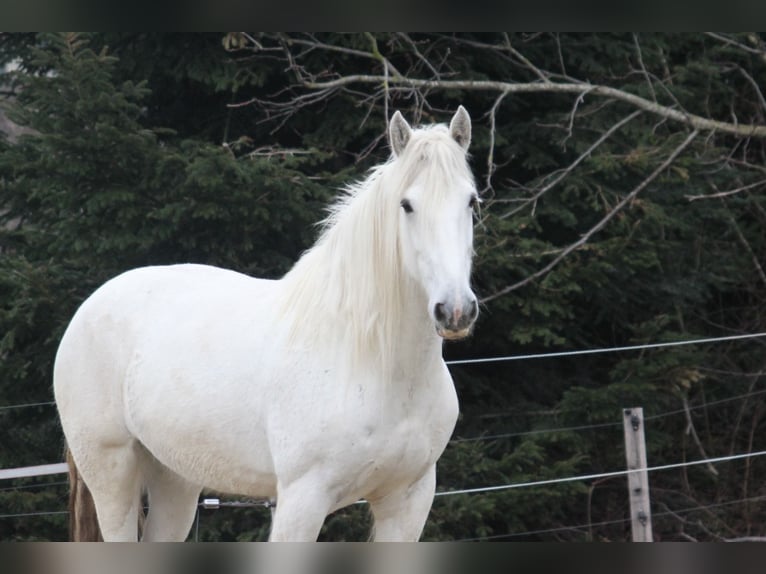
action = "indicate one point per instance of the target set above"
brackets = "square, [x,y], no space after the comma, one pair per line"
[490,537]
[705,405]
[603,425]
[214,503]
[533,356]
[484,489]
[45,404]
[605,350]
[612,522]
[25,514]
[510,486]
[546,530]
[27,486]
[261,503]
[534,432]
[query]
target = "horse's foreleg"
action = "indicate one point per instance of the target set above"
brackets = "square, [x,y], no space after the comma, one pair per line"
[401,515]
[301,510]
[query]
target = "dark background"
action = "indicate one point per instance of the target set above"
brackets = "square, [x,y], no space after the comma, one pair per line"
[122,150]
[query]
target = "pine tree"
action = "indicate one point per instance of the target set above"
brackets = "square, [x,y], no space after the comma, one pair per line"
[125,167]
[94,191]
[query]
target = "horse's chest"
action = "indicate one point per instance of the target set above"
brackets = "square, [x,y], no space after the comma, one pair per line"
[407,449]
[397,450]
[363,439]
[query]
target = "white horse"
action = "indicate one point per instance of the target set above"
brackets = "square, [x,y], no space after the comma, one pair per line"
[314,390]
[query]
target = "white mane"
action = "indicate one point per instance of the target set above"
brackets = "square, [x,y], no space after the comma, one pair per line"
[348,289]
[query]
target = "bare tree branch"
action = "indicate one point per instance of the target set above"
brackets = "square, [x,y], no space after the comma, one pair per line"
[578,100]
[539,73]
[697,122]
[746,244]
[727,192]
[746,539]
[755,85]
[600,225]
[748,462]
[742,407]
[691,430]
[414,47]
[640,58]
[491,153]
[740,45]
[314,43]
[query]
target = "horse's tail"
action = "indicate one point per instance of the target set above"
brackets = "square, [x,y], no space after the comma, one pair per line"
[83,523]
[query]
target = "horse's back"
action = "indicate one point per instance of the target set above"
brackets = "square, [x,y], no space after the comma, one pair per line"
[148,298]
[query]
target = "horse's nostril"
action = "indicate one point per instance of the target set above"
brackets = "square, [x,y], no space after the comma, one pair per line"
[473,310]
[439,313]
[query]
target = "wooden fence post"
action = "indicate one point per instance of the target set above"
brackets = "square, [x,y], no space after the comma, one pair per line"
[638,482]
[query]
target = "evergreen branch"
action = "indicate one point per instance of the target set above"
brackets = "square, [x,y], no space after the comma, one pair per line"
[697,122]
[565,172]
[600,225]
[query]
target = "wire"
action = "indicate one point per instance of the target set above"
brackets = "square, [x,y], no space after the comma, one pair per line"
[583,477]
[247,504]
[484,489]
[535,432]
[543,431]
[498,536]
[705,405]
[581,427]
[605,350]
[611,522]
[534,356]
[45,404]
[25,486]
[548,481]
[24,514]
[603,425]
[545,530]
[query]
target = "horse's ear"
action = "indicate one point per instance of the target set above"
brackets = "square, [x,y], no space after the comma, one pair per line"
[399,133]
[460,127]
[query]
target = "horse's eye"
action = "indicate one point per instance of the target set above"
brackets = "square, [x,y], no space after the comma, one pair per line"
[407,206]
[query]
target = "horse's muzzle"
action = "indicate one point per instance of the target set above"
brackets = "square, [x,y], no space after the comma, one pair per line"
[455,321]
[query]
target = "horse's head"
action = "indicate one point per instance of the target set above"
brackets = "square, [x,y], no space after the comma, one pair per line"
[437,202]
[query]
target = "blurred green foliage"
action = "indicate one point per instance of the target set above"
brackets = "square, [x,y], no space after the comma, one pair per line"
[140,150]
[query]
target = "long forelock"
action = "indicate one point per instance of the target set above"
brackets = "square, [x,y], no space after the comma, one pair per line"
[436,157]
[431,152]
